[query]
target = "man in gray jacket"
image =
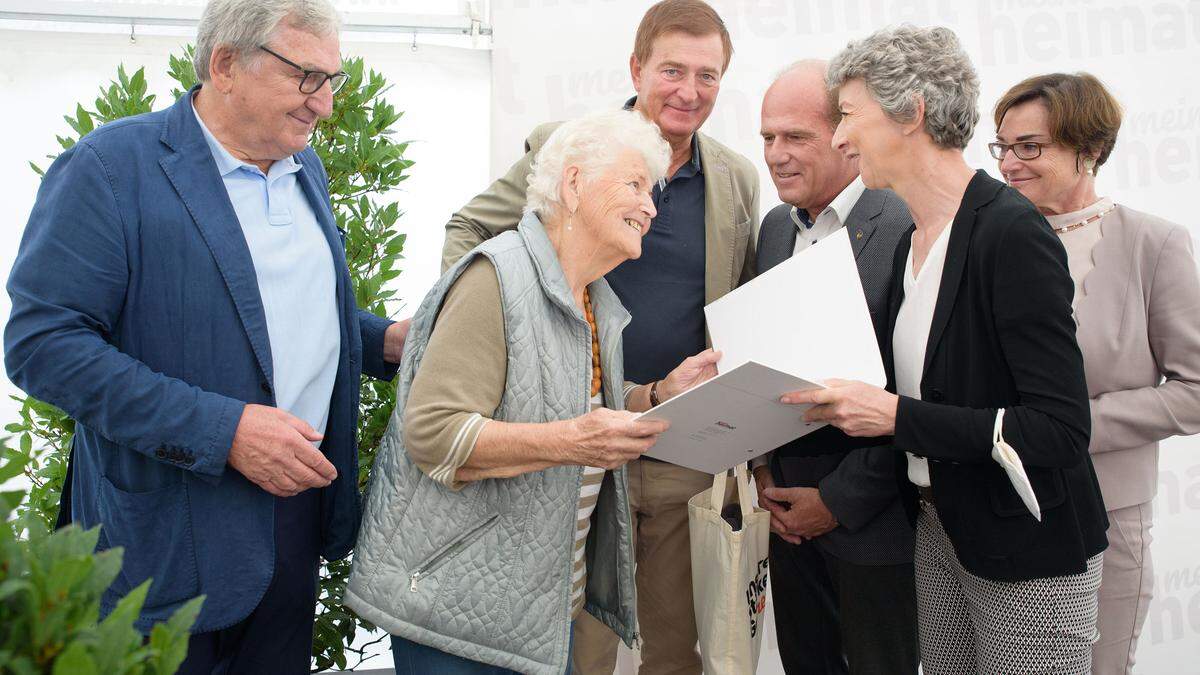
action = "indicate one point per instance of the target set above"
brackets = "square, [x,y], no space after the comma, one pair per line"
[841,551]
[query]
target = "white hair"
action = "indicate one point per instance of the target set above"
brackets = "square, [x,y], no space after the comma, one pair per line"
[592,143]
[903,64]
[246,25]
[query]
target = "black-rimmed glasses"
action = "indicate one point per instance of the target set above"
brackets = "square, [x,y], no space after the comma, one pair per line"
[314,79]
[1023,150]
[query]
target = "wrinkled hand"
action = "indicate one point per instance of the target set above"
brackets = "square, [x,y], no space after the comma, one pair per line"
[857,408]
[693,371]
[763,480]
[804,515]
[608,439]
[393,340]
[272,448]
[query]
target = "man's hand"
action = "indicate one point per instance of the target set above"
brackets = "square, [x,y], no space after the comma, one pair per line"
[393,340]
[805,515]
[857,408]
[763,480]
[272,448]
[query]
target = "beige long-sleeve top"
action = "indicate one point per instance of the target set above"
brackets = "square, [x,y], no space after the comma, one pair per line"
[1138,312]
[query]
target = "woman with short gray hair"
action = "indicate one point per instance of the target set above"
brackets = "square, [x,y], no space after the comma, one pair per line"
[982,356]
[497,511]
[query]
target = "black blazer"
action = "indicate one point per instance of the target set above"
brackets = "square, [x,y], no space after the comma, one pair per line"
[1002,336]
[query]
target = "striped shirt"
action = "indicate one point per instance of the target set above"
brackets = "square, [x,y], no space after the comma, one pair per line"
[593,477]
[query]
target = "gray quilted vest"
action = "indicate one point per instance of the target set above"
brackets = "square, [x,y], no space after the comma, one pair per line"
[485,572]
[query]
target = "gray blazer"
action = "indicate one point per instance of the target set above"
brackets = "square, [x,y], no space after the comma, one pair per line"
[857,484]
[1139,330]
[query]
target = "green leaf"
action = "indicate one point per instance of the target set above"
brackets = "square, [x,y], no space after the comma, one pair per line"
[75,660]
[169,639]
[11,587]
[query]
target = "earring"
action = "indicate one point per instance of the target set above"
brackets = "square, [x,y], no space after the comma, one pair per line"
[570,221]
[1089,166]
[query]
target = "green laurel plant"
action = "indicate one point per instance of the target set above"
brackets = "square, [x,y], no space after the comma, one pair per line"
[363,161]
[51,583]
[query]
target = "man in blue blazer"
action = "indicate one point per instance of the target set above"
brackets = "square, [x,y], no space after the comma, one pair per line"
[181,291]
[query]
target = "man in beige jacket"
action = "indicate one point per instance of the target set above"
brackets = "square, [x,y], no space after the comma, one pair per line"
[699,248]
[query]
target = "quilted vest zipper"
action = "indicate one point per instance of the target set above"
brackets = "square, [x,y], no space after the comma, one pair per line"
[447,552]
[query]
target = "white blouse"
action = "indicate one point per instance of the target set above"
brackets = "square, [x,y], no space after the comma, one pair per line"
[911,334]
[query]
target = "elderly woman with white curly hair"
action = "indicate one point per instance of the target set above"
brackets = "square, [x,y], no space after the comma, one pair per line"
[498,509]
[982,352]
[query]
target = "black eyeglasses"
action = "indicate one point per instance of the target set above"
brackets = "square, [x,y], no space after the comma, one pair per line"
[314,79]
[1023,150]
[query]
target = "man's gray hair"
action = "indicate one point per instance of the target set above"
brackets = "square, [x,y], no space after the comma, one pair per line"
[903,64]
[246,25]
[592,143]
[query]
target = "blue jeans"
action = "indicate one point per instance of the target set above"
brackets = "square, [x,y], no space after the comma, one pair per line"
[412,658]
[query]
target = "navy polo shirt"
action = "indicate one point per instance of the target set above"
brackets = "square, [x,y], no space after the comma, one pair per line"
[664,288]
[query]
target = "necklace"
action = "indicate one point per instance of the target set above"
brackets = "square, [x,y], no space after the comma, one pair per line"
[591,319]
[1086,221]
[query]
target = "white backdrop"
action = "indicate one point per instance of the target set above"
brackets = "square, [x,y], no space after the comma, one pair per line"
[467,113]
[554,59]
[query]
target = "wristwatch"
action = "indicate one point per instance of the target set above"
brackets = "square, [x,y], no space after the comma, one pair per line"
[654,402]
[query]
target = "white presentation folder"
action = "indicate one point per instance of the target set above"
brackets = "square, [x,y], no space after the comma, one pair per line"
[801,323]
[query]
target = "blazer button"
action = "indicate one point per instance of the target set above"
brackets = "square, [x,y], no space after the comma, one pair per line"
[160,453]
[936,395]
[266,386]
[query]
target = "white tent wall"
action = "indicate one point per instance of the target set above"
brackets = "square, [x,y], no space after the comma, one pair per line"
[554,59]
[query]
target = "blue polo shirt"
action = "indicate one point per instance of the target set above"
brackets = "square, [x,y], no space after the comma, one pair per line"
[297,281]
[664,288]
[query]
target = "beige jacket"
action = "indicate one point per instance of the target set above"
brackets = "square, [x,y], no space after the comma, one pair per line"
[1139,330]
[730,211]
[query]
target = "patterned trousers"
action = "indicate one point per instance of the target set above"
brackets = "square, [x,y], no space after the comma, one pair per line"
[969,624]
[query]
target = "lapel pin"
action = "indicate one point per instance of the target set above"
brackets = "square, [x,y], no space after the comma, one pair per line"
[858,235]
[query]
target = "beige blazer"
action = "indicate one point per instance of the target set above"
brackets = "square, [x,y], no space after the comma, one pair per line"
[730,211]
[1139,330]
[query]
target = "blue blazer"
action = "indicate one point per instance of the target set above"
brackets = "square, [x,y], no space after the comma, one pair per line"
[135,308]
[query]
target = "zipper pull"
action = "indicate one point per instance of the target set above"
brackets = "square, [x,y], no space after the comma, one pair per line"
[412,582]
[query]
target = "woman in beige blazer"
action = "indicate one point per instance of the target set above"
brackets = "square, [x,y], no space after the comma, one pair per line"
[1137,307]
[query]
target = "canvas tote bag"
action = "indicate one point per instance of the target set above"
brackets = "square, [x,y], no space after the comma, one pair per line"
[729,575]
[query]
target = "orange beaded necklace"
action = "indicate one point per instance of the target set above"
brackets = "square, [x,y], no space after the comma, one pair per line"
[591,319]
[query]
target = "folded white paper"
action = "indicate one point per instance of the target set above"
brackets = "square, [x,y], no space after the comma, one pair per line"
[731,419]
[1007,457]
[804,321]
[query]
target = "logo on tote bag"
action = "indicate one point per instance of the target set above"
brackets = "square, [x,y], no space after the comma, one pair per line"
[756,596]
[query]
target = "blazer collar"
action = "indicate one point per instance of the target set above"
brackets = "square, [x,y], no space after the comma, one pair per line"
[980,192]
[193,172]
[720,221]
[860,222]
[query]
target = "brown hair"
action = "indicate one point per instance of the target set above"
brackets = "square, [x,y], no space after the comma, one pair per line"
[1084,116]
[694,17]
